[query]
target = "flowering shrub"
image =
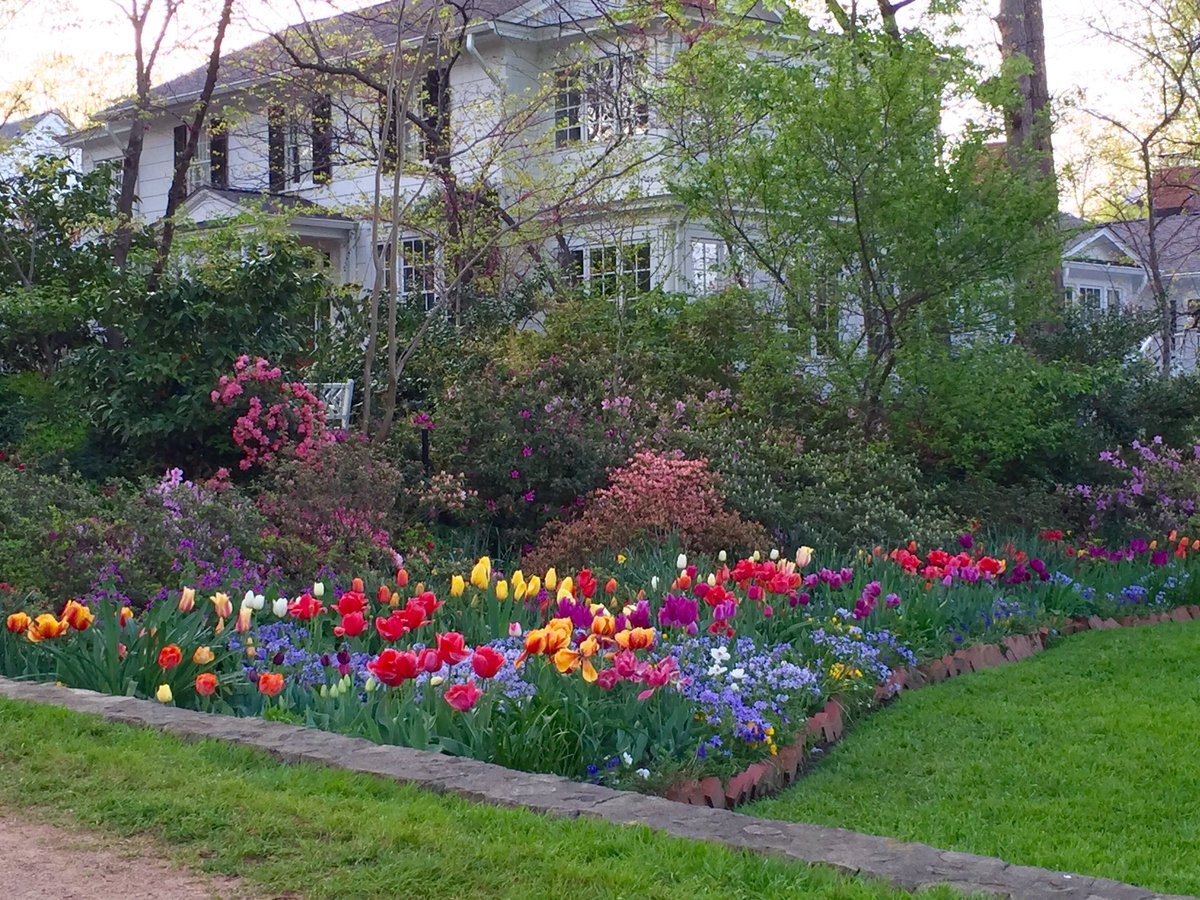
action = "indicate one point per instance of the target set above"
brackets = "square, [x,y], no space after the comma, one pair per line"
[1156,489]
[650,498]
[274,413]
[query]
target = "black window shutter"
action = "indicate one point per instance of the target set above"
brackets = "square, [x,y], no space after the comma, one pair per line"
[218,154]
[181,138]
[275,161]
[322,140]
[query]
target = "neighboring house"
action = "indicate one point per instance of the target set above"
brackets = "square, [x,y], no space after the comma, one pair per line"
[317,157]
[23,140]
[1107,269]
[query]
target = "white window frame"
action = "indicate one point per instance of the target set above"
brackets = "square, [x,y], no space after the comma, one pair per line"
[707,260]
[199,170]
[1106,298]
[419,281]
[607,269]
[297,153]
[597,101]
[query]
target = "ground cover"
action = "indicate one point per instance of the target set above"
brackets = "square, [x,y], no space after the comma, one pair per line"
[305,831]
[1081,759]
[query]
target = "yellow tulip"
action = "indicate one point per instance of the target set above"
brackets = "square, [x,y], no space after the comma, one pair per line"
[502,590]
[481,573]
[519,590]
[535,585]
[551,579]
[222,605]
[566,588]
[457,586]
[163,694]
[187,600]
[518,577]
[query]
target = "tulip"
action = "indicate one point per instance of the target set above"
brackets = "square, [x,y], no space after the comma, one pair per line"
[243,620]
[126,615]
[318,589]
[462,697]
[187,600]
[722,556]
[369,686]
[534,587]
[222,605]
[486,662]
[402,578]
[206,684]
[280,607]
[502,590]
[393,667]
[203,656]
[383,595]
[481,574]
[163,694]
[514,629]
[804,556]
[251,650]
[169,657]
[774,554]
[654,583]
[711,580]
[78,616]
[45,627]
[566,588]
[452,648]
[610,586]
[681,562]
[352,625]
[457,586]
[551,579]
[270,684]
[18,623]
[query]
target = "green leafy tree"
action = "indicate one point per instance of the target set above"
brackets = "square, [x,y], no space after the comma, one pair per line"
[820,160]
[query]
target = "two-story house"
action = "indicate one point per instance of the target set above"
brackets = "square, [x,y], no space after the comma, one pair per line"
[539,113]
[23,140]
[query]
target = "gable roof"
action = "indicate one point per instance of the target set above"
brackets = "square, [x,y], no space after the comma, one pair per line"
[13,130]
[1177,239]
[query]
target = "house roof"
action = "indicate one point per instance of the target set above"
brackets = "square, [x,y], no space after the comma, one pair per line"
[12,130]
[264,202]
[1177,239]
[383,22]
[1176,189]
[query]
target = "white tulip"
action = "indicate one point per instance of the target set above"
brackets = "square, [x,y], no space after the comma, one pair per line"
[654,583]
[318,590]
[280,607]
[681,563]
[774,554]
[712,579]
[722,556]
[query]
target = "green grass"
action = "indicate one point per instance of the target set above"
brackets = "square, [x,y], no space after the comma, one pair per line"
[317,832]
[1085,758]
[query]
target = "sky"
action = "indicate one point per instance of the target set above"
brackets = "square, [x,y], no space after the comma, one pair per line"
[77,53]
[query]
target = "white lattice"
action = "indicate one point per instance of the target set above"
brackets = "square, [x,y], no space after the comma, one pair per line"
[338,397]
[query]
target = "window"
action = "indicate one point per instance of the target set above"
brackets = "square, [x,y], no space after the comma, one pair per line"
[208,162]
[417,270]
[432,107]
[116,176]
[1095,301]
[198,171]
[300,147]
[612,271]
[706,266]
[602,100]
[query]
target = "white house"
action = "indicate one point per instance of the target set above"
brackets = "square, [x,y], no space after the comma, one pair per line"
[545,105]
[1107,269]
[23,140]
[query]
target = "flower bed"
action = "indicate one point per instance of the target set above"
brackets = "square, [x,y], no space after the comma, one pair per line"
[694,679]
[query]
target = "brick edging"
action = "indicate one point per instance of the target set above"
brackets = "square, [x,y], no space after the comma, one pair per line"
[904,865]
[773,774]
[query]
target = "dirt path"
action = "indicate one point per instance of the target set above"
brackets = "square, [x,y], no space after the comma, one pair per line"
[43,862]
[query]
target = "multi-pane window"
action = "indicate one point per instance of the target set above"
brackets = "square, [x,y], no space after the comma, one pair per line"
[416,269]
[116,176]
[601,100]
[706,266]
[297,153]
[612,271]
[1096,301]
[199,171]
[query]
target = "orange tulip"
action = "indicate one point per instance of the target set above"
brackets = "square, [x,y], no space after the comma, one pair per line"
[126,614]
[206,684]
[169,657]
[45,627]
[18,623]
[610,586]
[203,656]
[78,616]
[636,639]
[402,578]
[604,626]
[270,684]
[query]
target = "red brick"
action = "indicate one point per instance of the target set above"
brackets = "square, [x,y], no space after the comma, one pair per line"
[962,662]
[937,672]
[714,793]
[1095,623]
[789,760]
[834,725]
[1180,615]
[1127,621]
[915,678]
[1194,611]
[815,724]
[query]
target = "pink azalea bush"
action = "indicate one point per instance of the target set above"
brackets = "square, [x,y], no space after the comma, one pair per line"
[275,413]
[653,496]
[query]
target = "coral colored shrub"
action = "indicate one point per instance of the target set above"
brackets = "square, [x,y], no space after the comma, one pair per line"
[274,414]
[650,498]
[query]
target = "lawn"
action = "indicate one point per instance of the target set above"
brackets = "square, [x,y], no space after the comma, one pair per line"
[1081,759]
[305,831]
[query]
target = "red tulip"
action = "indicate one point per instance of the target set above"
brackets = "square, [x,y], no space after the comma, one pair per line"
[486,662]
[428,660]
[451,648]
[352,625]
[402,578]
[351,602]
[463,696]
[169,657]
[391,628]
[393,667]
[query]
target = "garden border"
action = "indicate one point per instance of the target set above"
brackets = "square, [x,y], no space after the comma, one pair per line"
[825,728]
[909,866]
